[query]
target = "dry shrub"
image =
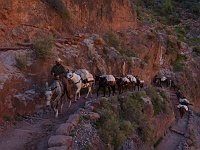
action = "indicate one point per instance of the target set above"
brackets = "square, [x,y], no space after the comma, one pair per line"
[98,41]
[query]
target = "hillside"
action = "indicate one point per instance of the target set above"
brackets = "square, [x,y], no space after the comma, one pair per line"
[116,37]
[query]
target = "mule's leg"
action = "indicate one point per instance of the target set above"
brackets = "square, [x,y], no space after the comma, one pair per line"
[75,97]
[89,89]
[109,90]
[70,102]
[61,104]
[56,113]
[97,92]
[113,89]
[104,91]
[48,103]
[79,94]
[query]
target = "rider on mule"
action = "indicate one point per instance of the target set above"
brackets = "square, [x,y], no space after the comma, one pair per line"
[58,70]
[59,73]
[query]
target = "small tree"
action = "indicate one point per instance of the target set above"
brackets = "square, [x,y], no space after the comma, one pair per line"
[167,7]
[43,48]
[21,62]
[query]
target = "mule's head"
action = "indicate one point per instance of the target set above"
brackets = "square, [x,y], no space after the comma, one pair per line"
[69,75]
[48,95]
[96,79]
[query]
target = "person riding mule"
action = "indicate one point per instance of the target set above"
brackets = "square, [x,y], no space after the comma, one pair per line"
[58,70]
[59,73]
[54,93]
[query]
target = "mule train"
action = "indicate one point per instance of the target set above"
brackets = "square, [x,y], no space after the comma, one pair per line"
[83,79]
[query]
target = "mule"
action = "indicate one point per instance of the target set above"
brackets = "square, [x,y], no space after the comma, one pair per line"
[79,83]
[122,83]
[184,101]
[182,109]
[179,94]
[105,81]
[54,96]
[160,81]
[132,80]
[139,83]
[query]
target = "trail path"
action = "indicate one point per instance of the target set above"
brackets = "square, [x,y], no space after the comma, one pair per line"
[185,133]
[33,133]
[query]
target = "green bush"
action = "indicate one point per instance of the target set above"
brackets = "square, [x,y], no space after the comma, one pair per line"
[7,118]
[127,127]
[181,32]
[128,53]
[59,7]
[26,40]
[43,48]
[167,7]
[158,142]
[179,63]
[117,126]
[196,8]
[21,62]
[171,47]
[157,106]
[112,39]
[119,139]
[194,42]
[147,58]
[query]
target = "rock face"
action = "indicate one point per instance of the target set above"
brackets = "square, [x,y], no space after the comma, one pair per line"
[20,21]
[102,15]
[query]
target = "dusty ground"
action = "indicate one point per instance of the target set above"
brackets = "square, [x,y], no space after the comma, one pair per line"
[33,132]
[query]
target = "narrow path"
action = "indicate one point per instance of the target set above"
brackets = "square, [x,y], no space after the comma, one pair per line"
[178,136]
[33,132]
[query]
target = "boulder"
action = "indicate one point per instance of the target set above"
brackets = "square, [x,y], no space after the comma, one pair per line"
[64,129]
[73,119]
[60,140]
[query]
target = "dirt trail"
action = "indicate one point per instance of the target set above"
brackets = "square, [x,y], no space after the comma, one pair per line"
[178,137]
[33,133]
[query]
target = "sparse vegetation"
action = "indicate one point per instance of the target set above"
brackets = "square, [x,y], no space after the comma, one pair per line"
[171,47]
[128,53]
[158,142]
[156,66]
[179,63]
[43,48]
[167,7]
[59,7]
[26,40]
[21,62]
[98,41]
[117,123]
[112,39]
[7,118]
[194,42]
[158,104]
[147,58]
[196,50]
[181,32]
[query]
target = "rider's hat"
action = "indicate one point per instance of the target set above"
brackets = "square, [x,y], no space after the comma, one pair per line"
[58,60]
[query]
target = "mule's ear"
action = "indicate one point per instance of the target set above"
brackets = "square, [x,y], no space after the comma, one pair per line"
[46,84]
